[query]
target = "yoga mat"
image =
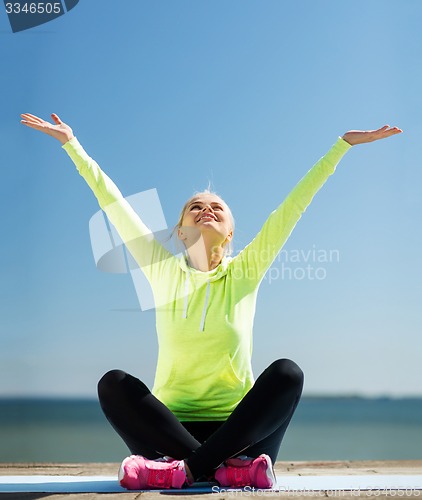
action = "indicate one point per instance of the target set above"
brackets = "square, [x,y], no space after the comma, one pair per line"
[109,484]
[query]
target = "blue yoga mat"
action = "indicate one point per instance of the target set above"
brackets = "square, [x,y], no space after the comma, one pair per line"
[109,484]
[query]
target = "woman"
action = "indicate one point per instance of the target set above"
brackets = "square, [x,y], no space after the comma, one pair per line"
[205,410]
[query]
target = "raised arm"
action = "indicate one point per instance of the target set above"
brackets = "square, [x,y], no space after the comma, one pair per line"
[260,253]
[135,234]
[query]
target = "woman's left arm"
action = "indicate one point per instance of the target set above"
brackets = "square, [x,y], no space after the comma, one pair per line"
[260,253]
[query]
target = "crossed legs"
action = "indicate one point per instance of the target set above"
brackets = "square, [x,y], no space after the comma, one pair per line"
[256,426]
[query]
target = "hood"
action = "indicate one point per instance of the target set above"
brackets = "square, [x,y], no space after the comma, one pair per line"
[202,276]
[199,278]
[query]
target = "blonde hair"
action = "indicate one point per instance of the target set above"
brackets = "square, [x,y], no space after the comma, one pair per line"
[228,248]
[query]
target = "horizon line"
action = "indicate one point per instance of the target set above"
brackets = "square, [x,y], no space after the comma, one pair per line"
[87,398]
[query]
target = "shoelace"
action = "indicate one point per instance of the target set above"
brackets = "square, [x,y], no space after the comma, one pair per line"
[239,476]
[161,478]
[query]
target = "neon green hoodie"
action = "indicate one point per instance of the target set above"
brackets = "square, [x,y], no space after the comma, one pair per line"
[204,320]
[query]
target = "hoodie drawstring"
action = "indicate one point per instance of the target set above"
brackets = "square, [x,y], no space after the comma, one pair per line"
[204,310]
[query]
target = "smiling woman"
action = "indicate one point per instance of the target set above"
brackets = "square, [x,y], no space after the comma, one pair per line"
[205,410]
[206,219]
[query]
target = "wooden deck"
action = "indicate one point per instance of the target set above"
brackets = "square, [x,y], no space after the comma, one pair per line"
[411,467]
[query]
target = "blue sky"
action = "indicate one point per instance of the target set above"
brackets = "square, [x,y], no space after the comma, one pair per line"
[247,94]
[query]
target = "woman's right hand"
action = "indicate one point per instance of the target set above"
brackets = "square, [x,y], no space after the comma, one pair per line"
[58,130]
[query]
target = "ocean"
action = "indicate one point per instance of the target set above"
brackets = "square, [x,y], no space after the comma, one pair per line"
[323,428]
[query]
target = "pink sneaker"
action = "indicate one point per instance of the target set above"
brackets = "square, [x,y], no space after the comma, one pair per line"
[246,471]
[138,473]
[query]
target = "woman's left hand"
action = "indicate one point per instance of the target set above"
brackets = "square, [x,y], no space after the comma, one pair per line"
[354,137]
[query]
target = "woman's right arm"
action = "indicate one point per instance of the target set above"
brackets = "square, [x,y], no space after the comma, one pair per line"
[135,234]
[58,130]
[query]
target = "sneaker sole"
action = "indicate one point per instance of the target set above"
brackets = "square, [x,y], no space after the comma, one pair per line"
[270,471]
[121,473]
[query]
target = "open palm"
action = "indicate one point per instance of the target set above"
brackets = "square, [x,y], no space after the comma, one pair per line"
[354,137]
[58,129]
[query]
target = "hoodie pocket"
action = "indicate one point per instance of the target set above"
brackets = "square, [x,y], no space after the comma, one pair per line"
[202,379]
[231,372]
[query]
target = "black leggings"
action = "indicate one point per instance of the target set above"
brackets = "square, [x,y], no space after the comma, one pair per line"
[256,426]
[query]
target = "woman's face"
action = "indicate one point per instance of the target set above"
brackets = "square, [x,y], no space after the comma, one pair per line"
[209,213]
